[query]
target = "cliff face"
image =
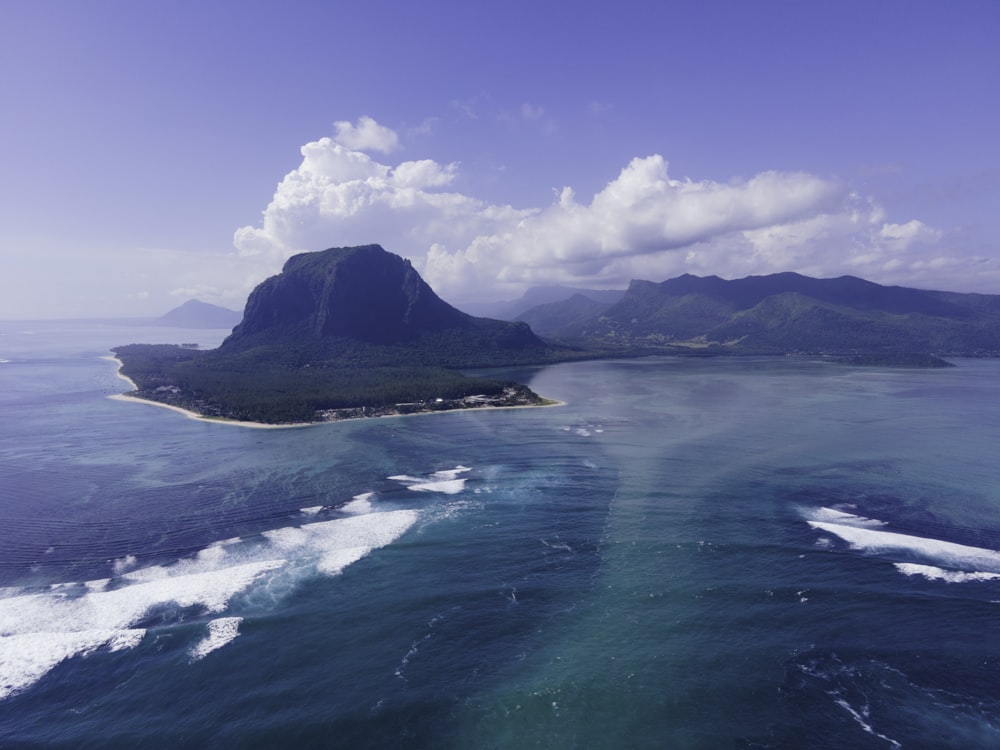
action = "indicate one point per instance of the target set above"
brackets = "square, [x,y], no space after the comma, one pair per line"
[364,294]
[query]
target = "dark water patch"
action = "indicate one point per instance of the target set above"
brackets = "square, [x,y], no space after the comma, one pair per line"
[851,699]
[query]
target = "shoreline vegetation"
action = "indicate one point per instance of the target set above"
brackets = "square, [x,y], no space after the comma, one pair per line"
[512,397]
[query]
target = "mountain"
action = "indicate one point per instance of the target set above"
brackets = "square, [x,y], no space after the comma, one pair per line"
[781,313]
[197,314]
[345,328]
[551,318]
[364,302]
[541,295]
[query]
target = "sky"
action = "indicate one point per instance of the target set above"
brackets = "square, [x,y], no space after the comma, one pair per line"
[155,152]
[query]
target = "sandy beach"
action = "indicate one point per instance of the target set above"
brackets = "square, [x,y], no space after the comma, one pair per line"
[264,426]
[187,412]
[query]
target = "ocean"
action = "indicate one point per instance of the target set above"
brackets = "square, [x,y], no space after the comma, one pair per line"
[689,553]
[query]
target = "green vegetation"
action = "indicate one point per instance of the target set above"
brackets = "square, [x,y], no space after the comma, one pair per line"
[779,314]
[253,386]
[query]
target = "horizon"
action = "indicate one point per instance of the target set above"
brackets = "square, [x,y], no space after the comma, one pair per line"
[497,304]
[157,155]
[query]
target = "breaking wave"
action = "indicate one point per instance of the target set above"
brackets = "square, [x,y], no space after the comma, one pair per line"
[40,628]
[446,481]
[220,632]
[934,559]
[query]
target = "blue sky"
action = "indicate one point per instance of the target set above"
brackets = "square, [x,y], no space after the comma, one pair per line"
[155,152]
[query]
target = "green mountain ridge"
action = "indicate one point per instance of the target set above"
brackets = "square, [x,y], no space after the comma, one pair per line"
[781,314]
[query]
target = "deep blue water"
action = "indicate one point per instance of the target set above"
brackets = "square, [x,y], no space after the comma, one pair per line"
[773,553]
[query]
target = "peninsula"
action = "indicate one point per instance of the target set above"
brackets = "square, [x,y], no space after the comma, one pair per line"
[346,332]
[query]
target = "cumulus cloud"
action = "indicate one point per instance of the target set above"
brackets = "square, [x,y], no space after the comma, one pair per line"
[643,224]
[341,196]
[366,135]
[643,212]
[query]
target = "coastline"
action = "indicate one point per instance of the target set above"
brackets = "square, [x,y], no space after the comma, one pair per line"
[211,420]
[292,425]
[118,371]
[187,412]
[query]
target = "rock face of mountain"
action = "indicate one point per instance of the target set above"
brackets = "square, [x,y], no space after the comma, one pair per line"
[197,314]
[783,313]
[364,294]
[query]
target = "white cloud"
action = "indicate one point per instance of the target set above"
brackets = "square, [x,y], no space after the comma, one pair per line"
[643,212]
[367,135]
[643,224]
[338,196]
[423,174]
[904,235]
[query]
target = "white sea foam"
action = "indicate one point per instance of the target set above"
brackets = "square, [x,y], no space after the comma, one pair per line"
[934,573]
[831,515]
[26,657]
[39,630]
[336,560]
[125,563]
[861,717]
[221,631]
[446,481]
[966,563]
[312,510]
[360,504]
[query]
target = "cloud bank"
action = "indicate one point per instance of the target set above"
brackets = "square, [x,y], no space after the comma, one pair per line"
[643,224]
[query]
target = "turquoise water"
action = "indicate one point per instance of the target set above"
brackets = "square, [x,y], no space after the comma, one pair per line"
[776,553]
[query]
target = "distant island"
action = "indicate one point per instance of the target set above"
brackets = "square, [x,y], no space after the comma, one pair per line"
[355,332]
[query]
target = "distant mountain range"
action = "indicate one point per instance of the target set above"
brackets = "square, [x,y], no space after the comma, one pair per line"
[776,314]
[357,329]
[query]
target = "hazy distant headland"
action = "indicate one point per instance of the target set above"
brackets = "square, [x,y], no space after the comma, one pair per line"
[355,331]
[197,314]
